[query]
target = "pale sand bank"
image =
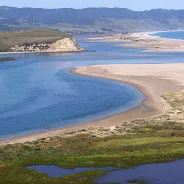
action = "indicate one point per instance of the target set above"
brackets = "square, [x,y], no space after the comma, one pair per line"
[152,80]
[146,41]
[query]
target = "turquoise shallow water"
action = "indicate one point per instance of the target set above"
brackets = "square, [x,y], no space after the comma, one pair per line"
[171,34]
[37,92]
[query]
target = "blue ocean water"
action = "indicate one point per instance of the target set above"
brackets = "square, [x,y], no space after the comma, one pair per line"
[37,92]
[171,34]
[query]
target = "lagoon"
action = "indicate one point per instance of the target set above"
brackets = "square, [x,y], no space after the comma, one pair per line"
[39,93]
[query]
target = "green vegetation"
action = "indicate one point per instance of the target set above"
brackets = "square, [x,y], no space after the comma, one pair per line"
[10,39]
[159,139]
[91,20]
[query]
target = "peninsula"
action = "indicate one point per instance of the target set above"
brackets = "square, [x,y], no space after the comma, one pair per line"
[37,41]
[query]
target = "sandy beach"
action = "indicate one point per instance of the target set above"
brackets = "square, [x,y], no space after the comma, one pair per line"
[154,43]
[152,80]
[145,41]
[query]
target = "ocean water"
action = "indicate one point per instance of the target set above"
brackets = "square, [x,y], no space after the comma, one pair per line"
[38,93]
[171,34]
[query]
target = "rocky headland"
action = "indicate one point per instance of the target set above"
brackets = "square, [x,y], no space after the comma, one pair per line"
[38,41]
[62,45]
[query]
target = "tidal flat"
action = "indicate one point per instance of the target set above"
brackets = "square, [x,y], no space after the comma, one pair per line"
[152,140]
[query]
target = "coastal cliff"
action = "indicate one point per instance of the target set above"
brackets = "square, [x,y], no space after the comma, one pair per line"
[38,41]
[62,45]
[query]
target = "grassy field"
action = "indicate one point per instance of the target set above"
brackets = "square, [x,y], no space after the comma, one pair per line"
[159,139]
[9,39]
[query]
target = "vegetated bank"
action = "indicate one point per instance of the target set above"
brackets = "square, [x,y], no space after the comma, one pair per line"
[152,140]
[37,41]
[90,20]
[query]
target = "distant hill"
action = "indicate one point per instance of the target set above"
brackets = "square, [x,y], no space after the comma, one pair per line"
[90,19]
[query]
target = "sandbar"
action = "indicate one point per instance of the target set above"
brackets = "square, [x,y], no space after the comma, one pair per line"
[153,80]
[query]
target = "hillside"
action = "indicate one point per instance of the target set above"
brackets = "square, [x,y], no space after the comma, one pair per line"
[37,41]
[96,20]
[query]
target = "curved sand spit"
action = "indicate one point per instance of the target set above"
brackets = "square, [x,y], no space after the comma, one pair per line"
[152,80]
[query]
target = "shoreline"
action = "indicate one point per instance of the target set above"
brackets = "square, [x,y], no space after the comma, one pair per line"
[144,40]
[126,115]
[45,52]
[155,32]
[147,102]
[154,104]
[152,43]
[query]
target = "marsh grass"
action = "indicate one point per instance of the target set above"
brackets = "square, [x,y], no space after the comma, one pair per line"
[154,140]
